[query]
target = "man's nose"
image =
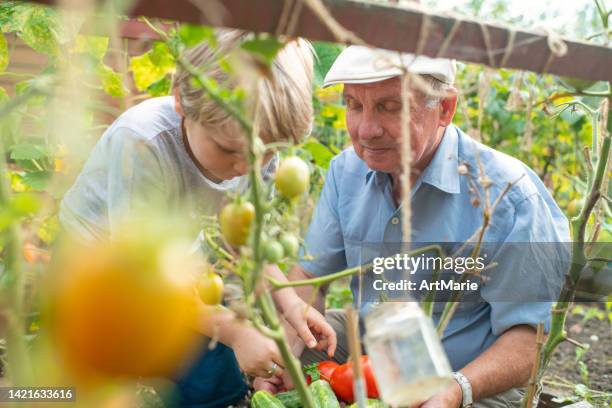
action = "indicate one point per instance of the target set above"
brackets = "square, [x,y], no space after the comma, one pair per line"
[369,127]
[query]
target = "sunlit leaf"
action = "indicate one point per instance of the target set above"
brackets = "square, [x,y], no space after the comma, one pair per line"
[39,30]
[152,66]
[24,204]
[320,153]
[3,95]
[49,230]
[93,45]
[4,54]
[111,81]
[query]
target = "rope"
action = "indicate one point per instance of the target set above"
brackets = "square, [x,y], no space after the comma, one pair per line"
[281,27]
[449,38]
[556,46]
[487,41]
[290,15]
[423,34]
[509,48]
[295,17]
[406,156]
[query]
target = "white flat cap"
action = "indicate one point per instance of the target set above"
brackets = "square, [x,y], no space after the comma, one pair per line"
[361,65]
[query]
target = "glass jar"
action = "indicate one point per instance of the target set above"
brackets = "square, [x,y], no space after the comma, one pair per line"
[406,354]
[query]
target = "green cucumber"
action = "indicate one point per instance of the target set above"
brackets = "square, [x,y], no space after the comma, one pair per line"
[290,399]
[323,395]
[263,399]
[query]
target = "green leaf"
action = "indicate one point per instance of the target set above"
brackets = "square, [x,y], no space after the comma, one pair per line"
[28,151]
[265,48]
[326,55]
[320,153]
[162,57]
[3,95]
[39,30]
[37,179]
[192,35]
[111,81]
[93,45]
[160,88]
[49,230]
[312,371]
[4,54]
[24,204]
[152,66]
[27,85]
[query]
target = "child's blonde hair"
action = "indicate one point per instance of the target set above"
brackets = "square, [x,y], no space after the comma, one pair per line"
[284,97]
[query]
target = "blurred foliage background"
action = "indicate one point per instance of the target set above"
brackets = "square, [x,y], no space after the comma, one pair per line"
[51,118]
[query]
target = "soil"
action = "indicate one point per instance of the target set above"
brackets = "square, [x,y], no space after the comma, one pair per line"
[565,369]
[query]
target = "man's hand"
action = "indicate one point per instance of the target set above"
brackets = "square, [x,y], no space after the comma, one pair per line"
[449,398]
[311,326]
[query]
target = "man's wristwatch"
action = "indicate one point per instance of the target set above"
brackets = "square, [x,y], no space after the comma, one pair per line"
[466,389]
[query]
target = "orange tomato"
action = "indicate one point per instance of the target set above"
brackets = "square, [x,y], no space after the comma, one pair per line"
[125,308]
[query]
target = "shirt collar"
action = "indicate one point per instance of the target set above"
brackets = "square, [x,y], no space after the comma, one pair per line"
[442,171]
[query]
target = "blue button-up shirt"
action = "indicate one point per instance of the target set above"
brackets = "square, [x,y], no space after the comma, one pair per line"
[356,210]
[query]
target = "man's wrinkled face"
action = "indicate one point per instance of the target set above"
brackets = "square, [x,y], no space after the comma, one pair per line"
[373,119]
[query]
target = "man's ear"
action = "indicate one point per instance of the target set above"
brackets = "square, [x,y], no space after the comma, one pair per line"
[448,106]
[177,102]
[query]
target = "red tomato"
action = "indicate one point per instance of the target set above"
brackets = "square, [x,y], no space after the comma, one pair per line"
[325,369]
[342,380]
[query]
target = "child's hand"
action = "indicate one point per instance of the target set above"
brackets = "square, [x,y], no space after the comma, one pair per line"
[311,326]
[257,354]
[273,385]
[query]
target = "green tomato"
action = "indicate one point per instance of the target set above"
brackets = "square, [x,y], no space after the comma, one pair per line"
[273,251]
[290,244]
[236,220]
[292,177]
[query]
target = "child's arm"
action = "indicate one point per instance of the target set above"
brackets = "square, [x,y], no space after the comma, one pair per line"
[309,324]
[256,353]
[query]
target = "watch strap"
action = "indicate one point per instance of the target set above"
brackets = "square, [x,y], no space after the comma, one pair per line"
[466,390]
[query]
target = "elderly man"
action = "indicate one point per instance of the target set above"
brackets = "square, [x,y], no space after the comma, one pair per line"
[490,341]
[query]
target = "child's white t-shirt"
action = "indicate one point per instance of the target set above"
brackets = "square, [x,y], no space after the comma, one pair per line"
[141,161]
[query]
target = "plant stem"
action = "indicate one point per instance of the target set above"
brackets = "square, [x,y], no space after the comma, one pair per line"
[533,378]
[292,364]
[12,288]
[323,280]
[557,333]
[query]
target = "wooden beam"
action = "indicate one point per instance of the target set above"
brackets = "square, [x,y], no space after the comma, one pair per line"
[399,28]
